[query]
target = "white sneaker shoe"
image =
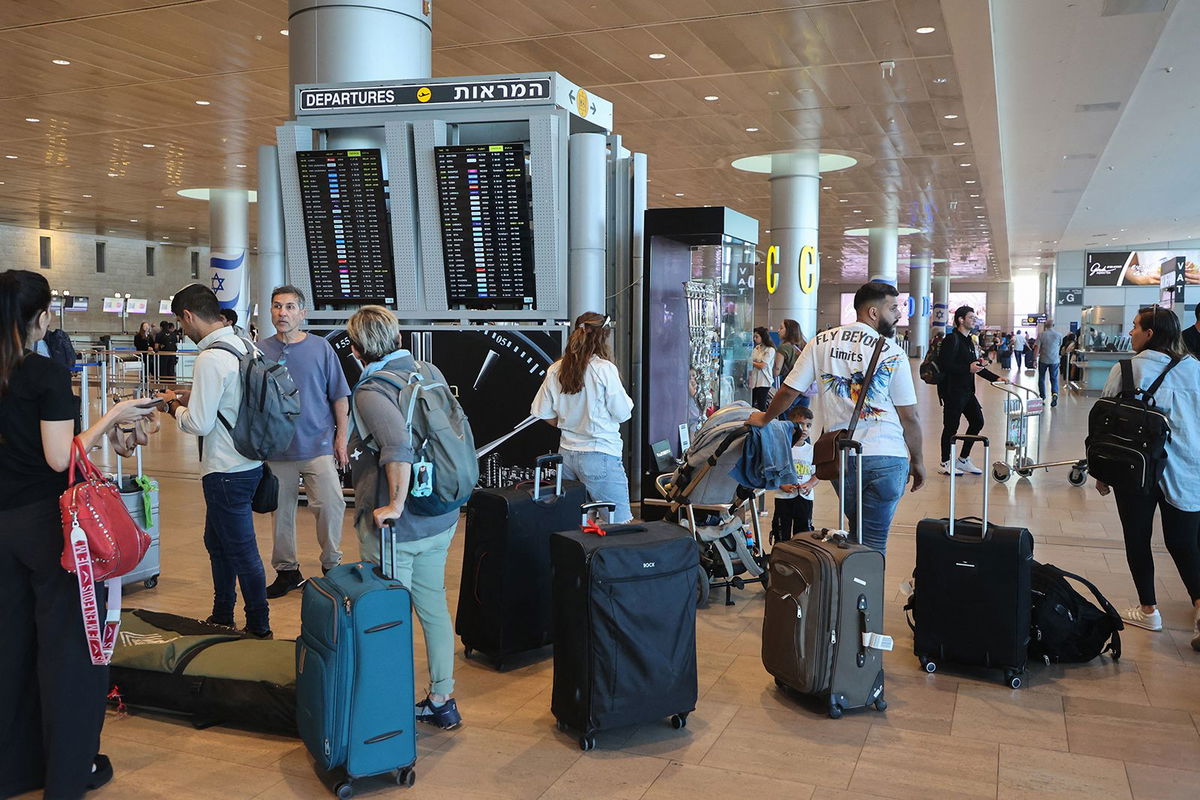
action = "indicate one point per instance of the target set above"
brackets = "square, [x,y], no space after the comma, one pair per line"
[946,469]
[1140,619]
[965,465]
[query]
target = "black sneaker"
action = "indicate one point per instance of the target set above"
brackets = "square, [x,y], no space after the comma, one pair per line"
[224,622]
[1054,401]
[445,716]
[267,634]
[102,772]
[285,581]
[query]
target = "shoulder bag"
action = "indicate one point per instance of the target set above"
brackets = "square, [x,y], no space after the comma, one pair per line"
[825,452]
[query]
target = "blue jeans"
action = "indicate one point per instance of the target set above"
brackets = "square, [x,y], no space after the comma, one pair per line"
[603,476]
[232,548]
[1042,370]
[884,479]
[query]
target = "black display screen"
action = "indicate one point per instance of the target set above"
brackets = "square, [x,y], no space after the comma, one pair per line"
[486,234]
[346,226]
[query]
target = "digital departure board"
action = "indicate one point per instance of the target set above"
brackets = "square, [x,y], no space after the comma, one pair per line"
[346,226]
[486,235]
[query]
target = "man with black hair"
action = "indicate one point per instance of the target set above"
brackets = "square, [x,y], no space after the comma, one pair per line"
[959,361]
[1191,335]
[231,320]
[229,479]
[889,426]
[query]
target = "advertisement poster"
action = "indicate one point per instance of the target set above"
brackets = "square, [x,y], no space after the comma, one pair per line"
[1139,267]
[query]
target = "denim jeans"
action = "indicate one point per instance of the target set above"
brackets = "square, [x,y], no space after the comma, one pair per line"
[884,479]
[1043,368]
[232,548]
[603,476]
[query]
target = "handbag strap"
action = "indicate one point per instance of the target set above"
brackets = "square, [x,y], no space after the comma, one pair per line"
[862,394]
[101,641]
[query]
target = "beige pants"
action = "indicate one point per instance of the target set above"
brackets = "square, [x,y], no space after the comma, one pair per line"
[323,486]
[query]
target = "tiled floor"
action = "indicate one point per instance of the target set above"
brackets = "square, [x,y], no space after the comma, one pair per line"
[1107,730]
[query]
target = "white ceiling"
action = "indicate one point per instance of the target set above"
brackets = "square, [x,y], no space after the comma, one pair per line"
[1075,178]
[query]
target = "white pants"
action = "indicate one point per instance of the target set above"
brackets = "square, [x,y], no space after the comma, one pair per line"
[323,486]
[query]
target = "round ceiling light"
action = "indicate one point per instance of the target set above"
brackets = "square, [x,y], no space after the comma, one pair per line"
[658,56]
[926,29]
[902,230]
[32,119]
[203,103]
[831,161]
[950,116]
[203,194]
[62,62]
[958,144]
[283,32]
[712,98]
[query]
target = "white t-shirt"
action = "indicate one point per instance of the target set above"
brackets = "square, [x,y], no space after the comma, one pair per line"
[590,421]
[1019,342]
[762,377]
[802,456]
[837,360]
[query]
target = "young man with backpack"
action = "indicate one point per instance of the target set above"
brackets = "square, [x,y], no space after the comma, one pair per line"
[414,466]
[958,362]
[211,410]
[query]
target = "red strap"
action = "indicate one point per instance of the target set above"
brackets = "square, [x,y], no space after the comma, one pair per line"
[592,527]
[100,642]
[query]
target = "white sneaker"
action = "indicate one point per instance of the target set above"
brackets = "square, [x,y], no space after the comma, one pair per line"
[1138,618]
[965,465]
[946,469]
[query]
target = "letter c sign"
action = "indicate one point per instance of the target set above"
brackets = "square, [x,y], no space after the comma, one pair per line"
[772,261]
[808,269]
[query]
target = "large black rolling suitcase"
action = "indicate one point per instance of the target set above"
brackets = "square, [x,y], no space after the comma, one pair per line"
[504,601]
[973,595]
[823,620]
[624,627]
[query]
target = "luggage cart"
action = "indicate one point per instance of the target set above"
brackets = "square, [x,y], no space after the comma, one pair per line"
[1020,406]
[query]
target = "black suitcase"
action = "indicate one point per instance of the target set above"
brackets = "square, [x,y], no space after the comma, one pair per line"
[973,589]
[504,600]
[624,627]
[823,618]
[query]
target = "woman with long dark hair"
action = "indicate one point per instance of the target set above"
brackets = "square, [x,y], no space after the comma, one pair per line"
[762,369]
[583,397]
[791,345]
[53,697]
[1156,339]
[143,342]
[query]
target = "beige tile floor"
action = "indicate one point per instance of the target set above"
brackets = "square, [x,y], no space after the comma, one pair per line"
[1109,730]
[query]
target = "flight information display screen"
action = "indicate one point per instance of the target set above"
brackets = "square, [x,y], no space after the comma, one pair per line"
[487,238]
[346,226]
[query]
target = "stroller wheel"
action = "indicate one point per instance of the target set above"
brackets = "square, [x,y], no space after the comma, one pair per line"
[702,588]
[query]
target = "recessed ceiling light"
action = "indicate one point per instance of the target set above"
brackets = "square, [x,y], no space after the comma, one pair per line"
[974,195]
[87,195]
[939,81]
[857,211]
[133,220]
[283,32]
[66,211]
[965,164]
[160,206]
[950,116]
[13,157]
[658,56]
[958,144]
[978,207]
[191,227]
[843,201]
[148,146]
[773,93]
[62,62]
[926,29]
[868,219]
[112,174]
[751,130]
[826,188]
[679,194]
[970,181]
[240,166]
[203,103]
[711,98]
[32,119]
[979,216]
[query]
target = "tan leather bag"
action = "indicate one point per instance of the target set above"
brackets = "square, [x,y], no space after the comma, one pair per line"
[825,452]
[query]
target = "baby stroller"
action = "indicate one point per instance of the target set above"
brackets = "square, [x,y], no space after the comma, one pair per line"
[722,515]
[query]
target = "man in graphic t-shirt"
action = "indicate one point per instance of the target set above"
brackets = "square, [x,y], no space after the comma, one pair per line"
[889,425]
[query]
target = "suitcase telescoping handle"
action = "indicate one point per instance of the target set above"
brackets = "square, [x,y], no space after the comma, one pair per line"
[387,549]
[987,478]
[844,447]
[545,461]
[587,508]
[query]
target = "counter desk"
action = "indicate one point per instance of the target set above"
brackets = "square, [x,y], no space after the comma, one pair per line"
[1094,366]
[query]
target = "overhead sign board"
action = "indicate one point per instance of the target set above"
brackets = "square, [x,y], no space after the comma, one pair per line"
[1139,267]
[1070,297]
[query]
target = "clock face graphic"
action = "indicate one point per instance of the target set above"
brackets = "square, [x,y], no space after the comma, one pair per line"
[495,374]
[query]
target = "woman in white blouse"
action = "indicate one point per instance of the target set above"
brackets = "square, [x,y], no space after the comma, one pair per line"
[762,369]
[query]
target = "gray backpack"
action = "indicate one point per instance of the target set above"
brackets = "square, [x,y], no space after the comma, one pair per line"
[445,467]
[266,419]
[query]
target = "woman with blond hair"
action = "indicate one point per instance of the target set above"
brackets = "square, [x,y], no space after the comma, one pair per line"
[583,397]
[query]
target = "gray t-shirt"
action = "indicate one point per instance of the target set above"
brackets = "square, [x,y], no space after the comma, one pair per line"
[318,374]
[1048,345]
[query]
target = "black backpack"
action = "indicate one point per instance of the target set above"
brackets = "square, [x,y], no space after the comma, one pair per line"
[929,370]
[1065,626]
[58,344]
[1127,436]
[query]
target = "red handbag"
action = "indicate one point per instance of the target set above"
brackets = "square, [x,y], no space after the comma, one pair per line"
[101,543]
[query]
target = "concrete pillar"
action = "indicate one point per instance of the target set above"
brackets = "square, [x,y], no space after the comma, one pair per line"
[270,268]
[940,317]
[795,213]
[921,302]
[229,242]
[587,226]
[883,247]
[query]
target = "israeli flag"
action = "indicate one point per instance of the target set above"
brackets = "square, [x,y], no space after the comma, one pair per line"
[228,274]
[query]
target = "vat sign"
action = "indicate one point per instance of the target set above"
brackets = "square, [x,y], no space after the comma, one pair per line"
[401,95]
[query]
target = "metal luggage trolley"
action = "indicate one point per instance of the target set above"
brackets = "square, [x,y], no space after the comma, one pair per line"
[1020,406]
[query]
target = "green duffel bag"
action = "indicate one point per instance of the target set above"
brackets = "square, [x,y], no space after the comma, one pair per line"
[213,674]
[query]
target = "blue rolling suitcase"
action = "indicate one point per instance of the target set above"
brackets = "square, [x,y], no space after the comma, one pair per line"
[354,673]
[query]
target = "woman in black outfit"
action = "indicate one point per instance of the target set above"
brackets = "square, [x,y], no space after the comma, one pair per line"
[52,697]
[143,342]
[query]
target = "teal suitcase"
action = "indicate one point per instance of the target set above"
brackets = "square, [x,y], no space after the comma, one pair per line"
[354,675]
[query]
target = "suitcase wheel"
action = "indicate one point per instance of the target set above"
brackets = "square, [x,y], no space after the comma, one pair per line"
[881,704]
[1013,680]
[406,777]
[835,711]
[679,721]
[928,665]
[468,652]
[344,790]
[587,743]
[150,583]
[562,726]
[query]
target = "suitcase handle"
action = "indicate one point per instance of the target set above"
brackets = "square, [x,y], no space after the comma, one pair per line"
[587,508]
[543,461]
[987,478]
[844,446]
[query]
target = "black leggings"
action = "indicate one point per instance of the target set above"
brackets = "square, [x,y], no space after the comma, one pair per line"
[953,408]
[1181,532]
[759,399]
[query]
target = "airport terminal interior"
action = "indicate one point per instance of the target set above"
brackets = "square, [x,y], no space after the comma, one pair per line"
[694,172]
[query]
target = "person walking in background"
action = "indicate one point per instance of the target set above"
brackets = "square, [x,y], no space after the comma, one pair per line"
[1048,346]
[319,448]
[762,369]
[52,695]
[229,478]
[791,344]
[1155,337]
[1004,350]
[143,342]
[583,397]
[1018,347]
[959,362]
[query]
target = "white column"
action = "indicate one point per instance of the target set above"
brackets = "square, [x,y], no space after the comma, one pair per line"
[919,291]
[229,241]
[270,268]
[884,245]
[588,223]
[795,213]
[940,318]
